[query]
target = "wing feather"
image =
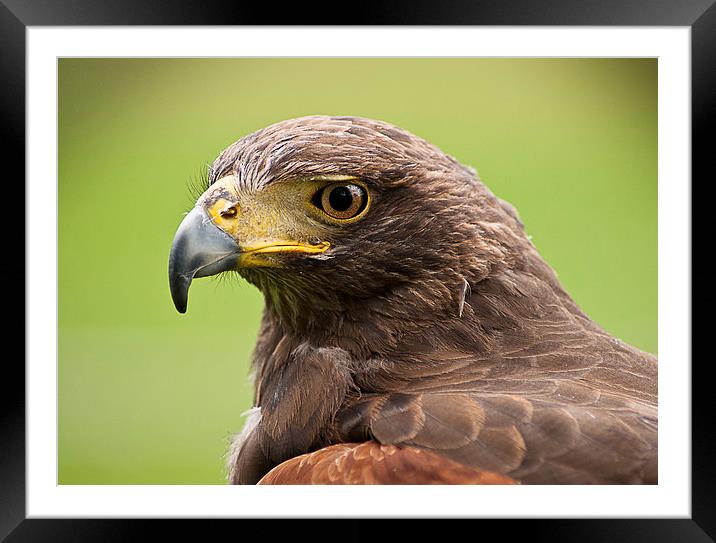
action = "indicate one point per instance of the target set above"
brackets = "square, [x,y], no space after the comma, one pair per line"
[372,463]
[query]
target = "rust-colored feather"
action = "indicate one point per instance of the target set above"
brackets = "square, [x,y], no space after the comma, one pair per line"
[371,463]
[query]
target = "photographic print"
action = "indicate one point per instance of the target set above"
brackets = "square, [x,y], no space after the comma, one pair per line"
[357,271]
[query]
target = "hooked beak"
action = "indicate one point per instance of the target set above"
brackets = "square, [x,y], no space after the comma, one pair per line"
[199,249]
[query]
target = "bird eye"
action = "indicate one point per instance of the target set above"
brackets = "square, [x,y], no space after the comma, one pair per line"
[342,201]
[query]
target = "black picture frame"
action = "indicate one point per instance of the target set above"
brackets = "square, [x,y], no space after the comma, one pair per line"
[16,15]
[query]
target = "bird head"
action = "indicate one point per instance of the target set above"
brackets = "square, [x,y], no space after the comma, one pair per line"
[327,214]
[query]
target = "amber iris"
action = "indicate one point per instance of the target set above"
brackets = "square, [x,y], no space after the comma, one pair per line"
[343,201]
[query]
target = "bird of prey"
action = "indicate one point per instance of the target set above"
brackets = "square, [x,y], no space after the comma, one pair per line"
[411,333]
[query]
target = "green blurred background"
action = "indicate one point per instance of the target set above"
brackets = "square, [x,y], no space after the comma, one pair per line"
[148,396]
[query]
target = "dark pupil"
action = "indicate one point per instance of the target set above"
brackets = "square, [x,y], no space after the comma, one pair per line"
[340,198]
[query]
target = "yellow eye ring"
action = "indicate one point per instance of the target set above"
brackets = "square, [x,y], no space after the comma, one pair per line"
[342,201]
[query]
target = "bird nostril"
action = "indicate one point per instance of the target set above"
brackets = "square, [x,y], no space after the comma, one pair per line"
[229,212]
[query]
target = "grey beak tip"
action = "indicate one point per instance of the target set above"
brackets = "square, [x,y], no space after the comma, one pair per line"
[180,300]
[179,287]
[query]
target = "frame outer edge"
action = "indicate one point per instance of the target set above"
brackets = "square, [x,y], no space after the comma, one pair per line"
[12,395]
[703,113]
[12,99]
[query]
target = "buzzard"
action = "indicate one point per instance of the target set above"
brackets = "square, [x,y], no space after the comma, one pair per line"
[412,333]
